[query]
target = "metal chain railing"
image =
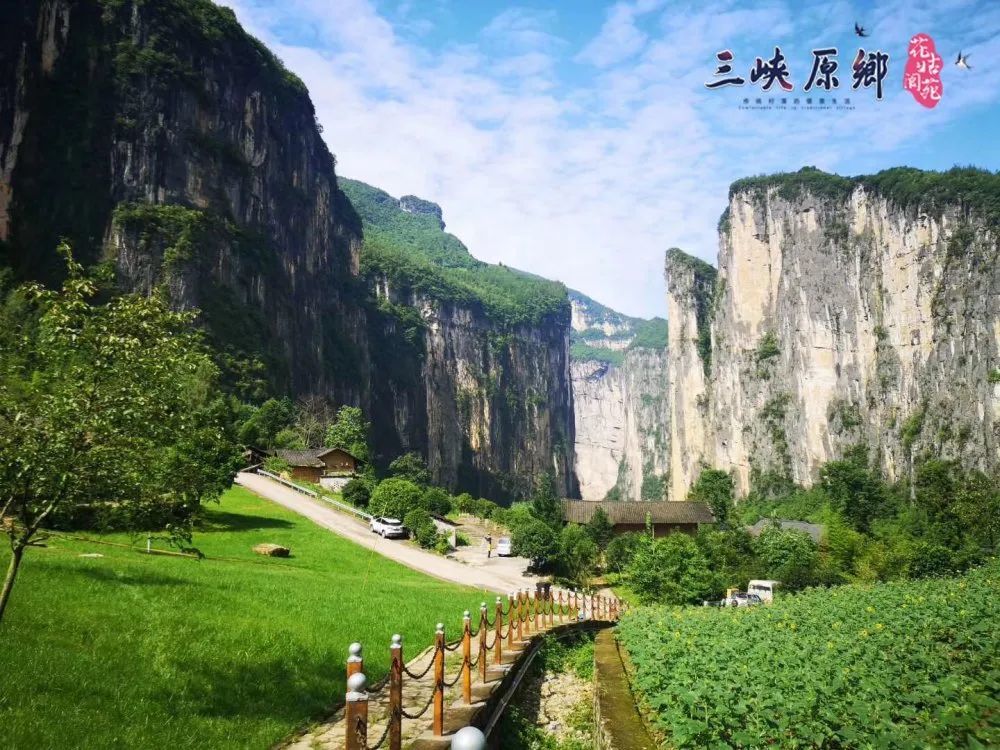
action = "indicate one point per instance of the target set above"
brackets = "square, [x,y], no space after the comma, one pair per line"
[412,676]
[421,712]
[382,739]
[528,615]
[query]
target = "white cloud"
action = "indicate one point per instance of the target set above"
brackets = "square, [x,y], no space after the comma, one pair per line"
[586,179]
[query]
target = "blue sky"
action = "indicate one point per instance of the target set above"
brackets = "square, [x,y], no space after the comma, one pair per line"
[577,140]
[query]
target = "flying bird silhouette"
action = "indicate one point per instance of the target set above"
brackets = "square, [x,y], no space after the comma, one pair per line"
[859,30]
[962,61]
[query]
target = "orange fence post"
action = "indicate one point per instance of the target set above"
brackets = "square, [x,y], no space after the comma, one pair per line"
[482,641]
[497,640]
[560,606]
[439,680]
[356,711]
[536,613]
[527,612]
[510,622]
[467,657]
[520,618]
[552,606]
[396,694]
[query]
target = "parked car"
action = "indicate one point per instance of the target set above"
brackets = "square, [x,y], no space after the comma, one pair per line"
[388,528]
[743,599]
[504,548]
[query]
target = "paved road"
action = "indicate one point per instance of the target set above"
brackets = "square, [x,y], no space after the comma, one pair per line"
[498,575]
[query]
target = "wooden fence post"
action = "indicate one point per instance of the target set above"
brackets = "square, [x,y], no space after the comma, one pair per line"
[439,680]
[356,712]
[511,613]
[497,640]
[527,612]
[482,641]
[537,610]
[355,660]
[560,606]
[467,657]
[552,605]
[396,694]
[520,618]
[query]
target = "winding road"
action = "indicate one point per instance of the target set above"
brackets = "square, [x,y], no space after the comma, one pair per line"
[500,575]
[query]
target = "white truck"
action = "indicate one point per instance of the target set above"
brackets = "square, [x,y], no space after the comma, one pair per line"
[763,589]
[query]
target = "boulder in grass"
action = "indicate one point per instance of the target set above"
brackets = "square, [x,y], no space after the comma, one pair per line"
[272,550]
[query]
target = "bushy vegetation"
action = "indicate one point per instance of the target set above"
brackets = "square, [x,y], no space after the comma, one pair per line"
[650,334]
[413,252]
[903,664]
[581,351]
[872,531]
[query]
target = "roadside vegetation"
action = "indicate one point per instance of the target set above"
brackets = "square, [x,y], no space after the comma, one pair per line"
[945,521]
[906,664]
[231,651]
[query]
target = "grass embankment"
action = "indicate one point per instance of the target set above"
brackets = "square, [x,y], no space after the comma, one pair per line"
[131,650]
[899,665]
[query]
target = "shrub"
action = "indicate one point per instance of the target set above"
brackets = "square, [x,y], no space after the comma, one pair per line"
[395,497]
[275,464]
[410,466]
[437,501]
[465,503]
[535,540]
[577,554]
[671,570]
[421,525]
[620,550]
[357,493]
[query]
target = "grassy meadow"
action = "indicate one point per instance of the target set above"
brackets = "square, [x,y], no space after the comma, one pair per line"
[132,650]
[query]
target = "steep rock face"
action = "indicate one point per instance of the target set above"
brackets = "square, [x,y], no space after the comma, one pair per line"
[690,285]
[619,404]
[844,313]
[490,410]
[163,138]
[160,136]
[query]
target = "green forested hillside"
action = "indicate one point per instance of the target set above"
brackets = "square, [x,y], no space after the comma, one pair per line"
[413,252]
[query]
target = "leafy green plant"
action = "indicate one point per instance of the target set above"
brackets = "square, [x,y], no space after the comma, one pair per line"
[907,664]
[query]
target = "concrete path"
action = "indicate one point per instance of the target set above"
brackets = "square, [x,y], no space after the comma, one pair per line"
[498,575]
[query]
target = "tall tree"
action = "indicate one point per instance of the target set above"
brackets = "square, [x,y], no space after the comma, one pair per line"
[350,432]
[545,505]
[714,487]
[106,408]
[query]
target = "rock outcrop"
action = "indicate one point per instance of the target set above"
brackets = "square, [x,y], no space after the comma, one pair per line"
[845,311]
[619,403]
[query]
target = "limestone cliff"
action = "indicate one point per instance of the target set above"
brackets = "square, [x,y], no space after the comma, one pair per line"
[618,371]
[163,139]
[845,311]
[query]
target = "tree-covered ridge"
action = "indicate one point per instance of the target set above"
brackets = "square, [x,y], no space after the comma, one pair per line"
[588,344]
[412,251]
[975,190]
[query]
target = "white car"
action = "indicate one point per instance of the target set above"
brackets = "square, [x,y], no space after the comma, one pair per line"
[388,528]
[503,547]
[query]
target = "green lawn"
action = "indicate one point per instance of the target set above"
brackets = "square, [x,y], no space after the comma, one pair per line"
[131,650]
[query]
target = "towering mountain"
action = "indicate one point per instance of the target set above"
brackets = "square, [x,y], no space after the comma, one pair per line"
[844,311]
[618,367]
[471,362]
[162,139]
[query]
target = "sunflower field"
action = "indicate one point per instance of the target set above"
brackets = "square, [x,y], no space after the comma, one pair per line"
[911,664]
